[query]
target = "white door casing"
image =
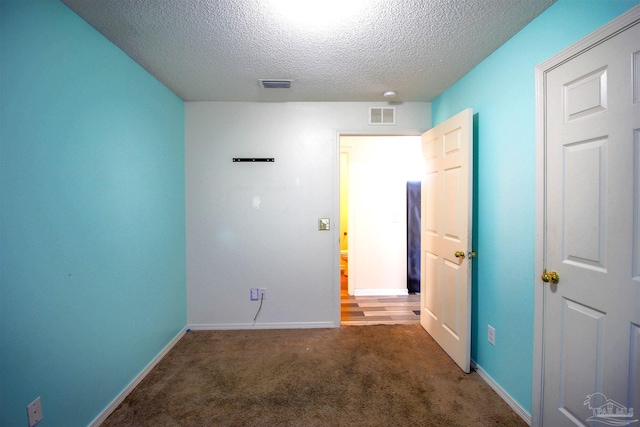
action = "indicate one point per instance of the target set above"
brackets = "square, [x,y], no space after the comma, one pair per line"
[446,223]
[587,327]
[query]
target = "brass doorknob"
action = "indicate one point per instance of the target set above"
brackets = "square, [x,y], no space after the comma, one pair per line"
[460,254]
[551,276]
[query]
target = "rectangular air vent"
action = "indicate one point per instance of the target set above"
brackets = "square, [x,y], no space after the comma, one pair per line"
[275,83]
[382,115]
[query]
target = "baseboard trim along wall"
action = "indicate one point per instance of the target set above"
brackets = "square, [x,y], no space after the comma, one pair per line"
[379,292]
[118,400]
[502,393]
[203,327]
[258,325]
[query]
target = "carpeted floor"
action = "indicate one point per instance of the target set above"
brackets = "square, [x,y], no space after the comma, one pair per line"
[350,376]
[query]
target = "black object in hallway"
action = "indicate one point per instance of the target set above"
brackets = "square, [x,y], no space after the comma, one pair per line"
[413,235]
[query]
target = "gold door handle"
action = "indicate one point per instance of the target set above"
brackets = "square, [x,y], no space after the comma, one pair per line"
[460,254]
[551,276]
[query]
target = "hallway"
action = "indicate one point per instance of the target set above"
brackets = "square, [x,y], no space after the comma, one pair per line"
[377,310]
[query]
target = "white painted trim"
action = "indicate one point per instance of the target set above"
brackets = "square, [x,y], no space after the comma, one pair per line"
[337,309]
[502,393]
[595,38]
[238,326]
[350,282]
[380,292]
[540,260]
[592,40]
[128,389]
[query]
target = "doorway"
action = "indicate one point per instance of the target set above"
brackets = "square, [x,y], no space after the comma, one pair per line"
[374,172]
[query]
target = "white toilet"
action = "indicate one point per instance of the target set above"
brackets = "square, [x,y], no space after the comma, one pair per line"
[344,262]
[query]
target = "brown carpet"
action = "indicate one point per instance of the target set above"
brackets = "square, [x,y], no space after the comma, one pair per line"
[349,376]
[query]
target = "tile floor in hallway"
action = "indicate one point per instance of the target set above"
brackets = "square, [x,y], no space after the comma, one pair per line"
[379,310]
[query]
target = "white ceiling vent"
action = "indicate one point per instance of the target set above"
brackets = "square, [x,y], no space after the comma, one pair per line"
[382,115]
[275,83]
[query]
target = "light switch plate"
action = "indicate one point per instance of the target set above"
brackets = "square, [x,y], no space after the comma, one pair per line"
[34,412]
[324,224]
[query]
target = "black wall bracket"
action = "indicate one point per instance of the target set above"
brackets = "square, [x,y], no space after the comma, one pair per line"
[254,159]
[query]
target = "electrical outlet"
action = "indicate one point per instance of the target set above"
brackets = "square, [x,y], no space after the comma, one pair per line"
[34,412]
[256,294]
[491,335]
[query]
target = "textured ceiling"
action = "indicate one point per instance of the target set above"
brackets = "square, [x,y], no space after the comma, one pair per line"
[216,50]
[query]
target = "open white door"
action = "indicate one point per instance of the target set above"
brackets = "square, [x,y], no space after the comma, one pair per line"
[590,343]
[445,310]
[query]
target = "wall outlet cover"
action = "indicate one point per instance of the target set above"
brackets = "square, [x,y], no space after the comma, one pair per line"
[491,335]
[34,412]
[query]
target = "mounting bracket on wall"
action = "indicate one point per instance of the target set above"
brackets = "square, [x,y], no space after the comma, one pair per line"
[254,159]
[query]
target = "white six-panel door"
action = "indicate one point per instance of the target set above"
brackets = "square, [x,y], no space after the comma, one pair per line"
[447,186]
[591,323]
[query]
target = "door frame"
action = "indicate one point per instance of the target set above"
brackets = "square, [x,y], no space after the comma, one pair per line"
[602,34]
[371,132]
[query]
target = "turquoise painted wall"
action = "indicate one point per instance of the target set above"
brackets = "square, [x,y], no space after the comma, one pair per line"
[501,91]
[93,280]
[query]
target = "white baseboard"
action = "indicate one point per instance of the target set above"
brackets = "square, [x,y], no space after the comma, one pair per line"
[233,326]
[379,292]
[307,325]
[502,393]
[118,400]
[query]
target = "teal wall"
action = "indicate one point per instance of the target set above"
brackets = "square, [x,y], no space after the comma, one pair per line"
[501,92]
[92,225]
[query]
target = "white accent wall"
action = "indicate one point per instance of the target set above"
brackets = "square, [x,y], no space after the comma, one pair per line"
[256,224]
